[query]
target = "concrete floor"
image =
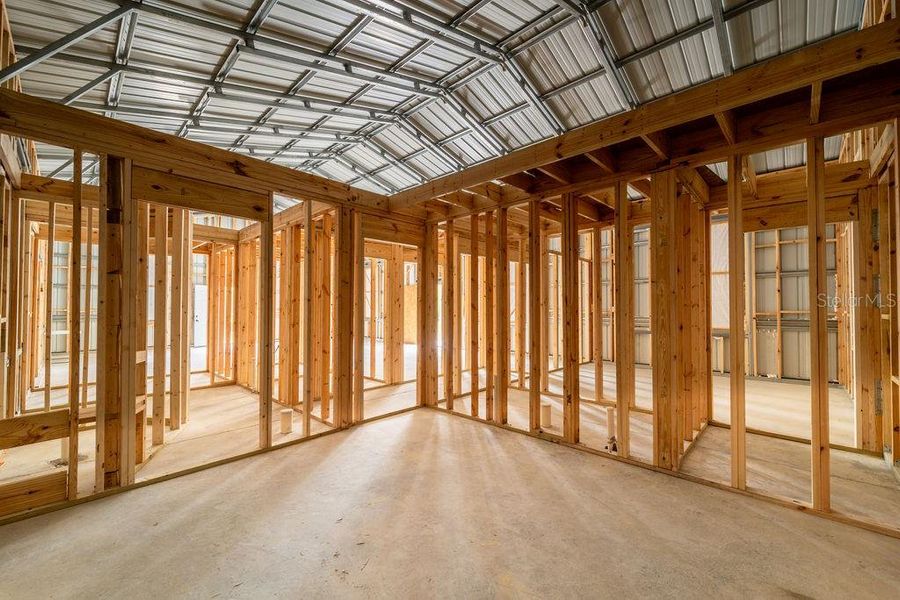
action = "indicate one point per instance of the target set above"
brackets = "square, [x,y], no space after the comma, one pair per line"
[863,487]
[430,505]
[223,423]
[59,378]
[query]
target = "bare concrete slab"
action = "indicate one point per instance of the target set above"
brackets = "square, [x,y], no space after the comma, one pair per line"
[426,504]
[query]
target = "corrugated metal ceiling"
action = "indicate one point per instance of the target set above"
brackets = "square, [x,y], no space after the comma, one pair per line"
[386,94]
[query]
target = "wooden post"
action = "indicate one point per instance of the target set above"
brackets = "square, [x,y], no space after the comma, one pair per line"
[553,312]
[597,298]
[266,321]
[818,315]
[547,331]
[685,274]
[241,358]
[448,353]
[393,342]
[296,301]
[663,322]
[868,322]
[284,316]
[779,359]
[571,336]
[16,306]
[87,306]
[212,317]
[253,286]
[427,292]
[357,333]
[176,340]
[6,200]
[624,291]
[520,316]
[142,246]
[48,302]
[535,268]
[325,315]
[343,327]
[490,312]
[187,275]
[373,314]
[74,325]
[502,384]
[700,306]
[456,321]
[736,323]
[307,316]
[894,212]
[473,314]
[129,269]
[160,266]
[115,354]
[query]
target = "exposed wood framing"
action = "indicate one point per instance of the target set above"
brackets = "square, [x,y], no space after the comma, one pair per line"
[624,298]
[737,332]
[527,211]
[535,330]
[571,377]
[818,351]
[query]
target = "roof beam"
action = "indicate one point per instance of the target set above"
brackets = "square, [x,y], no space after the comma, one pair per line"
[825,60]
[261,13]
[393,161]
[357,26]
[725,119]
[815,102]
[353,166]
[124,43]
[722,36]
[480,130]
[849,108]
[429,27]
[694,183]
[441,154]
[749,174]
[523,181]
[43,120]
[209,124]
[603,158]
[319,66]
[556,171]
[616,77]
[684,34]
[481,49]
[245,93]
[208,22]
[532,96]
[466,13]
[112,72]
[658,142]
[50,50]
[642,186]
[426,140]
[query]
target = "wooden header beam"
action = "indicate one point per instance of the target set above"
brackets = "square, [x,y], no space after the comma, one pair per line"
[156,186]
[828,59]
[43,120]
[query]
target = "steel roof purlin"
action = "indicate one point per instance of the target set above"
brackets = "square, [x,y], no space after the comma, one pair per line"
[392,93]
